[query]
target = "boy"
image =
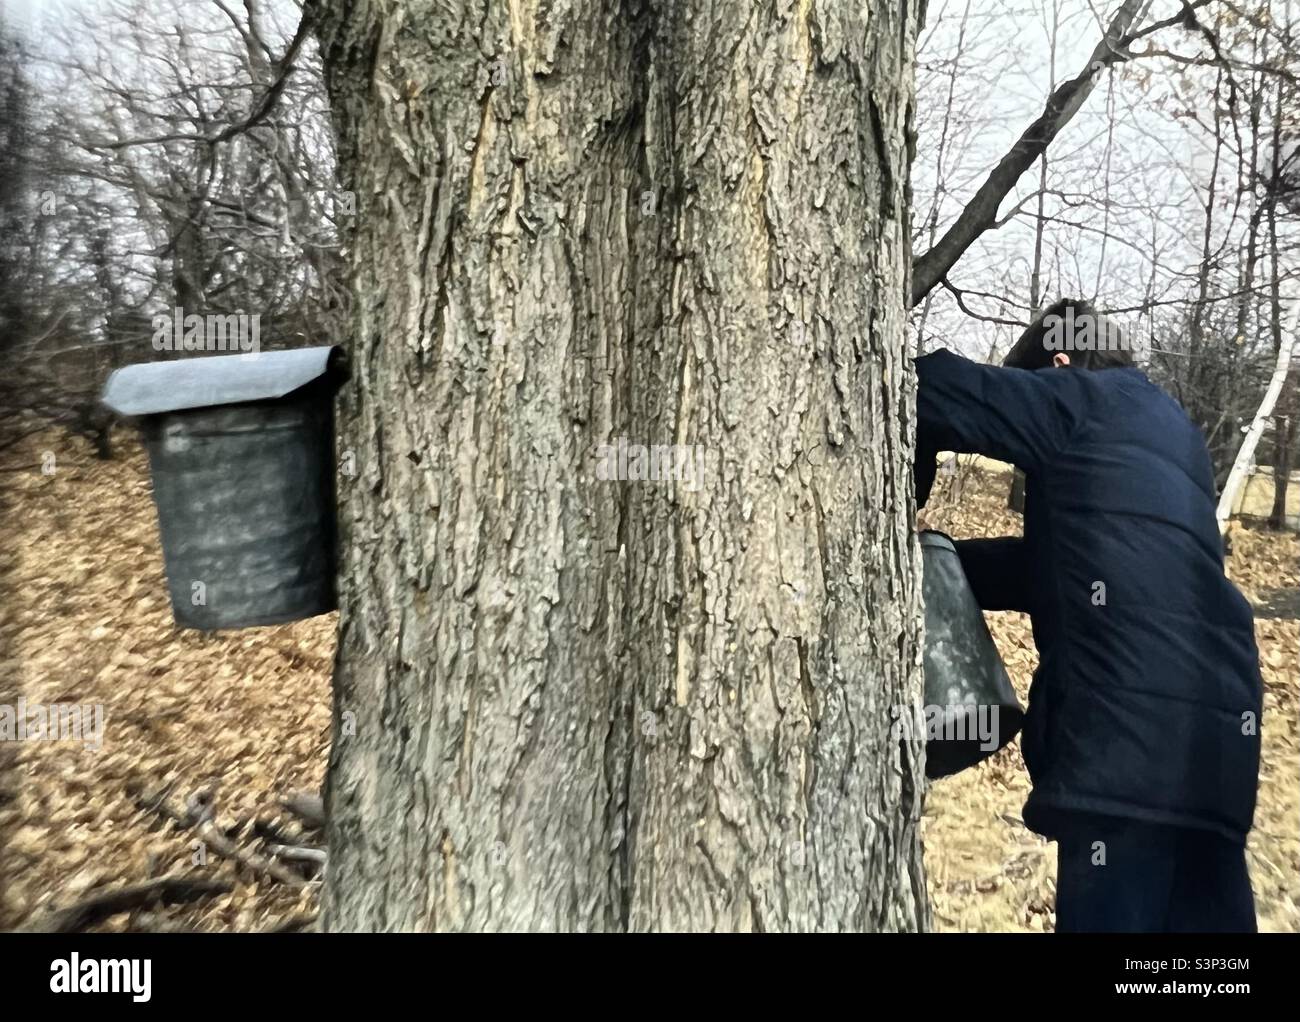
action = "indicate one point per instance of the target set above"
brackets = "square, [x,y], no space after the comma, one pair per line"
[1142,734]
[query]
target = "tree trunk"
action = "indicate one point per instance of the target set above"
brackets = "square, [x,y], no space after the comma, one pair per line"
[1284,424]
[1241,465]
[1016,497]
[569,702]
[1284,434]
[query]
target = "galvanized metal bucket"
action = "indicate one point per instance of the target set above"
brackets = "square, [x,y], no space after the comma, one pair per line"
[241,450]
[971,709]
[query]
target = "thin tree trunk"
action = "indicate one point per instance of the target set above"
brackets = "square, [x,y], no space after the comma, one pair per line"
[1284,425]
[569,703]
[1284,436]
[1240,471]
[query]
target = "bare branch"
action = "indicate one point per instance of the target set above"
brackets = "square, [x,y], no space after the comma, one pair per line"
[981,212]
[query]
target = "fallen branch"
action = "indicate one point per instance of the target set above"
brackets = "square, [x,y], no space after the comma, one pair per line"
[223,846]
[298,853]
[151,922]
[168,890]
[270,832]
[200,812]
[294,924]
[309,808]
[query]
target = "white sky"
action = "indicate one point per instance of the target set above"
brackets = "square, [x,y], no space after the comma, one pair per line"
[28,14]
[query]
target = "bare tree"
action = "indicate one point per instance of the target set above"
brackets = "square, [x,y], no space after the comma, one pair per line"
[185,161]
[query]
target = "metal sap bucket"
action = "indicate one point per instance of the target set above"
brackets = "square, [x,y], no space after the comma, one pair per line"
[971,709]
[241,451]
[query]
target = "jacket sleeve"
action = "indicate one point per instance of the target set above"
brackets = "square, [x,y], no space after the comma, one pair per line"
[998,572]
[1013,415]
[924,470]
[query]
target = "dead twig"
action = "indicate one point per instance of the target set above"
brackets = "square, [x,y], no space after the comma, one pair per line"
[308,807]
[298,853]
[200,811]
[294,924]
[152,922]
[227,849]
[168,890]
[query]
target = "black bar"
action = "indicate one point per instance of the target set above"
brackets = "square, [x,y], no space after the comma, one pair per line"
[240,976]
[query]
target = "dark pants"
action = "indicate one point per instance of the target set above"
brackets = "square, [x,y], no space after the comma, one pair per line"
[1154,879]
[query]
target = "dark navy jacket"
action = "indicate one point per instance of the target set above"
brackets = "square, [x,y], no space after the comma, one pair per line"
[1147,698]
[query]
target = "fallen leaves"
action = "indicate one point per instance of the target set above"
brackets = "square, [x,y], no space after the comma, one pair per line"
[91,624]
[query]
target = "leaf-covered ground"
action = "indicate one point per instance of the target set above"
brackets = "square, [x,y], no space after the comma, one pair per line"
[85,618]
[222,726]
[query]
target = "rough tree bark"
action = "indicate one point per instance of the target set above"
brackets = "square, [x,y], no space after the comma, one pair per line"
[568,703]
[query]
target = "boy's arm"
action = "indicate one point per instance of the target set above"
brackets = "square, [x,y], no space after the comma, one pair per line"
[1013,415]
[924,470]
[998,572]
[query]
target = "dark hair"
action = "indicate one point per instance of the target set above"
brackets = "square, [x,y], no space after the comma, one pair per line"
[1075,327]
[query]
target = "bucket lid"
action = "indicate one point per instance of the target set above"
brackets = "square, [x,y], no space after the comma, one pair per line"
[149,388]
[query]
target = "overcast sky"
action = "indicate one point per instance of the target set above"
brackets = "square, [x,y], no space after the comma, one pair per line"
[27,13]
